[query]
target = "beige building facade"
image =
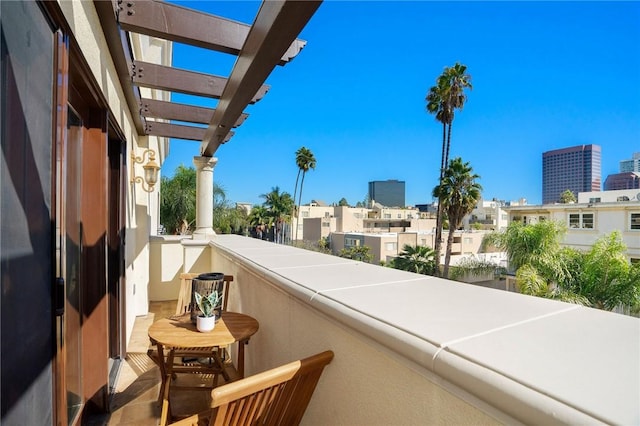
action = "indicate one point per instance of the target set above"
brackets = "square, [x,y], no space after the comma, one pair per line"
[594,216]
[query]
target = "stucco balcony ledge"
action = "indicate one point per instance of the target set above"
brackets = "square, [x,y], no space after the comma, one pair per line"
[413,349]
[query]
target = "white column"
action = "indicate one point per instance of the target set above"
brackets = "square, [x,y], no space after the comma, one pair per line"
[204,197]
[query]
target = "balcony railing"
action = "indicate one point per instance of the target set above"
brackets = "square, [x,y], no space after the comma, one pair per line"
[413,349]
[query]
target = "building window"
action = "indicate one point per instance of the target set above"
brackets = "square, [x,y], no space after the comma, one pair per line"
[468,240]
[581,221]
[594,200]
[326,224]
[574,220]
[387,215]
[634,222]
[390,246]
[351,242]
[399,215]
[305,214]
[357,215]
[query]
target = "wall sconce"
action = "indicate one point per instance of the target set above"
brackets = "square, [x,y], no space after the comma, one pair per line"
[150,170]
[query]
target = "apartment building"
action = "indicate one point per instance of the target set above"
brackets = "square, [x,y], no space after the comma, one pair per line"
[487,214]
[595,214]
[385,246]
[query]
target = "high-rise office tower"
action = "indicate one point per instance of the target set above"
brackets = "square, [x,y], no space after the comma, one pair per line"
[576,168]
[632,165]
[627,180]
[629,176]
[389,193]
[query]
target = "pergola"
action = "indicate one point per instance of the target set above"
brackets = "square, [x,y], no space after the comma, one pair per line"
[269,41]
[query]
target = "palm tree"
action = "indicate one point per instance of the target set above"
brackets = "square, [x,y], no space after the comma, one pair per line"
[459,193]
[258,219]
[279,205]
[305,161]
[419,259]
[601,277]
[178,200]
[442,101]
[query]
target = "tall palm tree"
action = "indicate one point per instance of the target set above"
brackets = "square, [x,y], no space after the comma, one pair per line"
[459,193]
[442,101]
[417,259]
[456,80]
[305,161]
[279,205]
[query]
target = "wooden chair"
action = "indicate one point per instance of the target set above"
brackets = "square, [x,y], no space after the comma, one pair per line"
[278,396]
[188,361]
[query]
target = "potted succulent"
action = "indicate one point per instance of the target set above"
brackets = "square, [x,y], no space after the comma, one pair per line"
[206,321]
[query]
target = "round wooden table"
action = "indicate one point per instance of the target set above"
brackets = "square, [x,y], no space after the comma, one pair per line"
[181,333]
[179,336]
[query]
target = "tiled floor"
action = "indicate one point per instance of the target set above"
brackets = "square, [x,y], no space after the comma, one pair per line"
[135,399]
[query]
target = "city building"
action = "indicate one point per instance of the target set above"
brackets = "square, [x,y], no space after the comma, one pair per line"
[576,168]
[631,165]
[317,221]
[385,246]
[596,214]
[623,180]
[487,214]
[390,193]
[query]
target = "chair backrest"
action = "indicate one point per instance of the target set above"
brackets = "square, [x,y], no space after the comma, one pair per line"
[184,296]
[278,396]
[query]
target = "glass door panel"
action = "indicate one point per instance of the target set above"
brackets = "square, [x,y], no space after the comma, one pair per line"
[73,308]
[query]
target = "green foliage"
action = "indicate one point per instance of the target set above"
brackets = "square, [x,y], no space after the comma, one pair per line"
[567,197]
[230,220]
[343,202]
[207,304]
[600,277]
[418,259]
[608,279]
[278,205]
[458,193]
[305,162]
[323,245]
[178,205]
[474,267]
[442,100]
[260,216]
[360,253]
[476,226]
[178,200]
[528,244]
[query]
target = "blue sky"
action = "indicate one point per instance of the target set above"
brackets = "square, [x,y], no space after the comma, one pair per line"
[545,75]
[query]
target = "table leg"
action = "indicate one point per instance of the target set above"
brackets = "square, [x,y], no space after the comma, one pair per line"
[241,358]
[166,371]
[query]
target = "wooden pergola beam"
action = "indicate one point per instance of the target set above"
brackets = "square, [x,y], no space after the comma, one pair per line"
[145,74]
[183,25]
[180,112]
[177,131]
[275,27]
